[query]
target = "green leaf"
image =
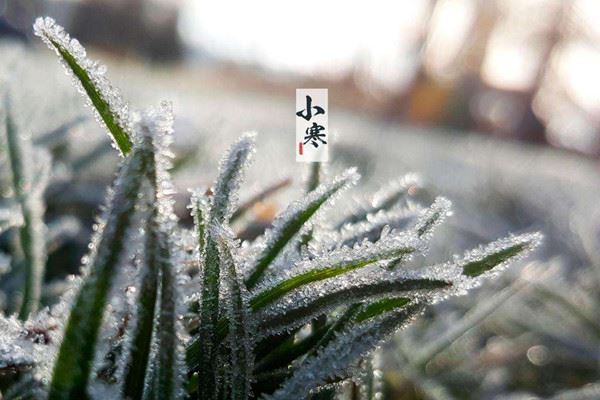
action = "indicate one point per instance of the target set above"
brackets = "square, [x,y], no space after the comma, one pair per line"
[155,255]
[166,367]
[292,221]
[300,312]
[332,363]
[240,332]
[351,260]
[30,242]
[76,353]
[231,173]
[135,370]
[289,350]
[380,307]
[199,207]
[79,66]
[500,252]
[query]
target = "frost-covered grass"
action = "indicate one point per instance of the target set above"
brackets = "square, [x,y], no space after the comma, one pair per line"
[164,311]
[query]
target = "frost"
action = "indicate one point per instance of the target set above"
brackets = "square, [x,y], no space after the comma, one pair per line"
[386,198]
[346,349]
[16,352]
[498,254]
[335,263]
[199,208]
[59,41]
[390,194]
[433,217]
[372,228]
[306,303]
[231,173]
[10,218]
[241,341]
[294,221]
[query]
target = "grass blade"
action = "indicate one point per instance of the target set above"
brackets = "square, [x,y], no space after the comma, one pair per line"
[240,332]
[292,221]
[72,368]
[380,307]
[105,99]
[28,194]
[498,253]
[337,263]
[346,349]
[224,199]
[139,357]
[167,370]
[199,210]
[231,172]
[154,130]
[386,198]
[299,310]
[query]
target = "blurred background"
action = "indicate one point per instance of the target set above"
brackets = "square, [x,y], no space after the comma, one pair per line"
[522,69]
[496,103]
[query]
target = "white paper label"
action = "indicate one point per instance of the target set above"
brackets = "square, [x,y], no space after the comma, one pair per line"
[312,130]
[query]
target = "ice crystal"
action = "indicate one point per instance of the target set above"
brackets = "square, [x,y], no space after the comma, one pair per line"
[433,217]
[65,47]
[346,349]
[241,341]
[294,221]
[10,218]
[386,198]
[231,173]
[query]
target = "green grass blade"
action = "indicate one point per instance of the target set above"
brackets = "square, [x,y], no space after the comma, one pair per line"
[223,202]
[287,226]
[110,108]
[241,343]
[199,210]
[380,307]
[280,317]
[231,173]
[433,217]
[76,353]
[165,379]
[338,263]
[314,178]
[209,316]
[332,362]
[334,328]
[30,240]
[289,350]
[154,255]
[166,368]
[139,357]
[498,253]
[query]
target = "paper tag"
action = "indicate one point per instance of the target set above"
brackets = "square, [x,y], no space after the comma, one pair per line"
[312,130]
